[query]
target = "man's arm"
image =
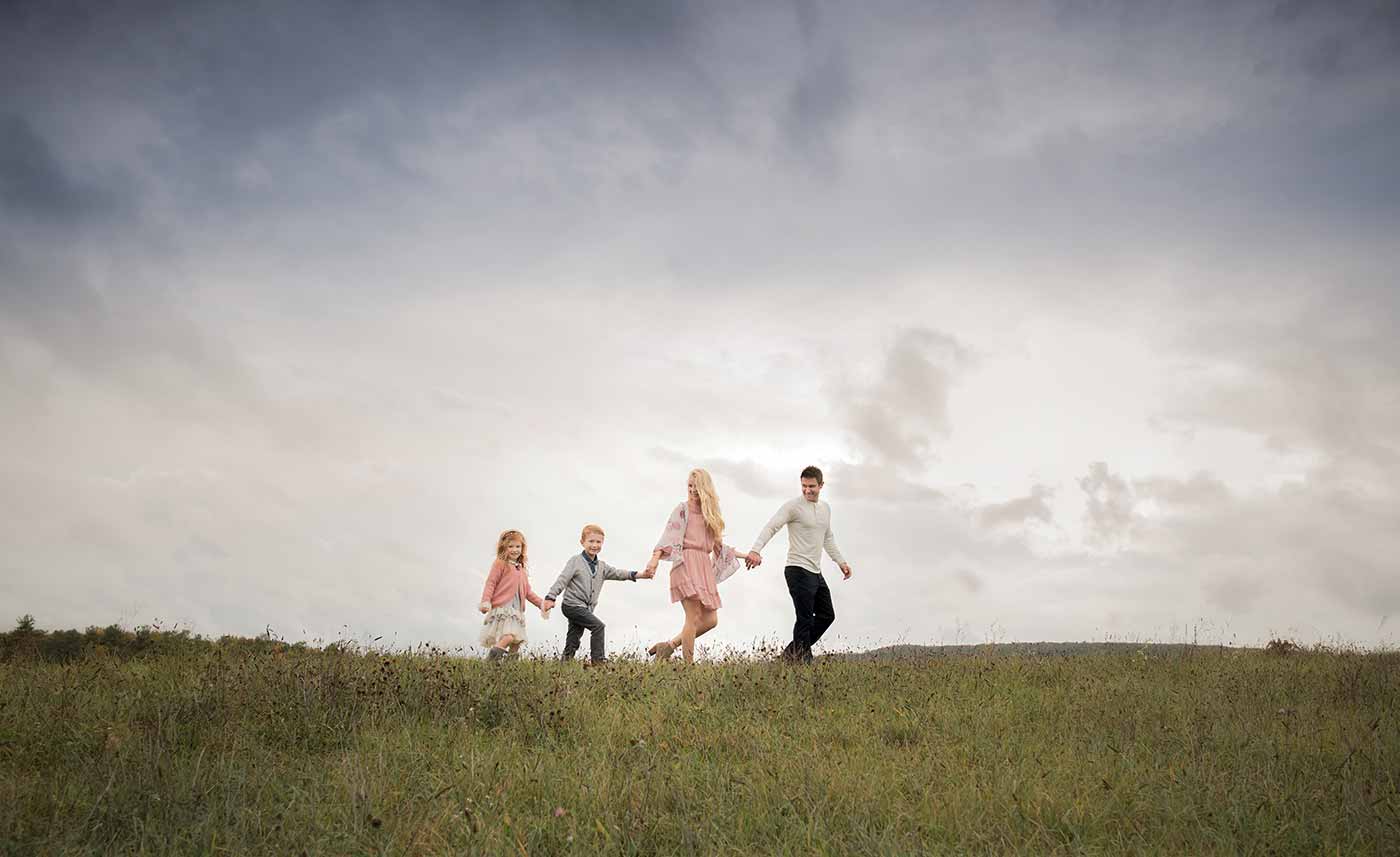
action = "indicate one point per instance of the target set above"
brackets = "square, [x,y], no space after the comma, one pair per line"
[829,542]
[780,519]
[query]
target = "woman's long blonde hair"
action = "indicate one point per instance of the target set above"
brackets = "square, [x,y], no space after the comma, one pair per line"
[505,539]
[709,502]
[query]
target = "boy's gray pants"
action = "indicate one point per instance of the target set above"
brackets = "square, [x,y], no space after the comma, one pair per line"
[581,618]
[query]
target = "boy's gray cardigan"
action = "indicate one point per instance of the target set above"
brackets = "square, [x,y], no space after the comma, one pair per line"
[581,587]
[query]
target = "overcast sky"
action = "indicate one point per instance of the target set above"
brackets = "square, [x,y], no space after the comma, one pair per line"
[1087,310]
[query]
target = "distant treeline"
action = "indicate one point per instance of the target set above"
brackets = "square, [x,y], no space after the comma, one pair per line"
[30,643]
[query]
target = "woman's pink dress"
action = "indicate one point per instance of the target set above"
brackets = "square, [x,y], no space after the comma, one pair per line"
[694,575]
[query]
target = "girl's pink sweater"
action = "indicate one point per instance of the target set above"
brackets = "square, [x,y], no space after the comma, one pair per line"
[504,581]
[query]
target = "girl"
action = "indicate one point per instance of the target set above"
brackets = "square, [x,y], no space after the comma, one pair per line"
[503,599]
[699,560]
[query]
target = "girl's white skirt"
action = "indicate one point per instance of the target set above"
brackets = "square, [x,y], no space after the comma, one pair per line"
[501,621]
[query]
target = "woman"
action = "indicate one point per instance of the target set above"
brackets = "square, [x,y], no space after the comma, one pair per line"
[699,561]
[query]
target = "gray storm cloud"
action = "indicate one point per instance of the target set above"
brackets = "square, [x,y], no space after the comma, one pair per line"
[301,305]
[34,184]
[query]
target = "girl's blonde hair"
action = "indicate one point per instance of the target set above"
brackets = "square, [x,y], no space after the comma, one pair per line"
[505,539]
[709,502]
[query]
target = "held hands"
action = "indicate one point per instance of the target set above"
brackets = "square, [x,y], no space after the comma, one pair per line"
[752,560]
[845,571]
[649,572]
[545,608]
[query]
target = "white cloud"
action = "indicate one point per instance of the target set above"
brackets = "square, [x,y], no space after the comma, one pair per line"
[1018,510]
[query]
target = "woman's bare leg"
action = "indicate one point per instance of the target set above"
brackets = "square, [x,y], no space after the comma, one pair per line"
[666,648]
[689,631]
[705,620]
[698,620]
[708,621]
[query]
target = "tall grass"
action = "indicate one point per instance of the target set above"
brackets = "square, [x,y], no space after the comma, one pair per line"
[269,750]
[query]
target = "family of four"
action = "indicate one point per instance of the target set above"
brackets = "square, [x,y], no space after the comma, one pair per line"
[693,541]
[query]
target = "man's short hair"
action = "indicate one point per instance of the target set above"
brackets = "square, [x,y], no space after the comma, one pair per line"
[813,473]
[592,528]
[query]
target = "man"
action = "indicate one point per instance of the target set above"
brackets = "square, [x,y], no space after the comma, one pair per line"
[809,531]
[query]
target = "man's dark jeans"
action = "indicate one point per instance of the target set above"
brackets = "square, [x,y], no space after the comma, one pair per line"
[811,599]
[581,619]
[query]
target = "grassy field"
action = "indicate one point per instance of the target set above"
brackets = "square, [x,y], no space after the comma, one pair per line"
[279,750]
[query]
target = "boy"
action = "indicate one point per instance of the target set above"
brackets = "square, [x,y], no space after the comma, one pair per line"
[581,581]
